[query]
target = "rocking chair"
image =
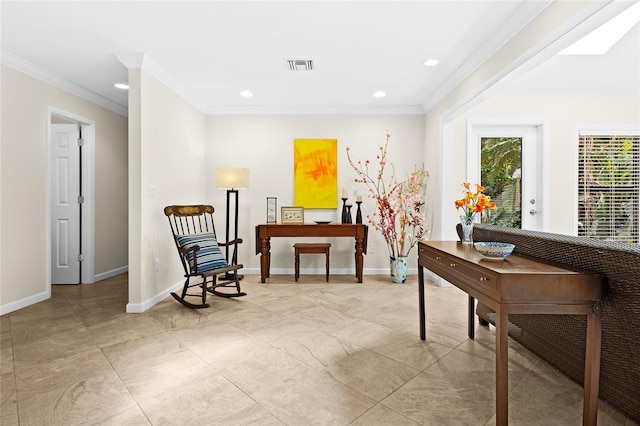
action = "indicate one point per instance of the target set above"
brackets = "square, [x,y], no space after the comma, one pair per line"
[200,254]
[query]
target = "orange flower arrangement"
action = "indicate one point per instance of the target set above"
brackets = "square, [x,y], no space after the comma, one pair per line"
[474,201]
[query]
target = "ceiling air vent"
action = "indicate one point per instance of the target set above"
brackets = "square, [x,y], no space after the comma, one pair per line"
[300,64]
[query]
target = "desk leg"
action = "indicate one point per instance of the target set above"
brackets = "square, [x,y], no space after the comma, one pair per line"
[502,368]
[472,320]
[423,332]
[265,256]
[592,369]
[359,259]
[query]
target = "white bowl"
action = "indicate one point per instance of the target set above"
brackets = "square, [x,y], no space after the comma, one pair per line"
[494,250]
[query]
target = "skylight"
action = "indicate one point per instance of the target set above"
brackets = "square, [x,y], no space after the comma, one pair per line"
[599,41]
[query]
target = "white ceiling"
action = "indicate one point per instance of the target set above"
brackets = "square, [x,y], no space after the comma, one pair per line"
[212,50]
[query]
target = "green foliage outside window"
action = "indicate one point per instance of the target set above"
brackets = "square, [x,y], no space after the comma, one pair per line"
[609,188]
[501,175]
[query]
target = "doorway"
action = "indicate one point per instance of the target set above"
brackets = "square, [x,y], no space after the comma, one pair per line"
[507,161]
[70,198]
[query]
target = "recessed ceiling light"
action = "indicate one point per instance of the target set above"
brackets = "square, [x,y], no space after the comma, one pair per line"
[121,86]
[246,94]
[431,62]
[379,94]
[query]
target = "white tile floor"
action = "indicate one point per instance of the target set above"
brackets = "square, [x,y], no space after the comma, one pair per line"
[309,353]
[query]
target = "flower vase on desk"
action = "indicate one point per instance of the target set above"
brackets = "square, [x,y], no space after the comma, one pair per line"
[467,228]
[358,213]
[349,218]
[344,211]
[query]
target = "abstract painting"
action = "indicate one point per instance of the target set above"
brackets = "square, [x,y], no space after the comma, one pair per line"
[315,173]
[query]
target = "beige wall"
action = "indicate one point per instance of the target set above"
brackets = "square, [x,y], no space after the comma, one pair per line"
[166,151]
[264,144]
[25,103]
[563,113]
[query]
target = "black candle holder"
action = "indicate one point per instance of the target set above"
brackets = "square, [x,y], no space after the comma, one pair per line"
[349,219]
[344,210]
[358,213]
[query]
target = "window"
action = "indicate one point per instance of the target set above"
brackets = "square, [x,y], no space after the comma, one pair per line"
[609,186]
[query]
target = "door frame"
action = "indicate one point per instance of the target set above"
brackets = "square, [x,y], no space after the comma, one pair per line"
[88,185]
[542,137]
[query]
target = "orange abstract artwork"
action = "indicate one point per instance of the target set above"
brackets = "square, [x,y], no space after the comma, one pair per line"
[315,173]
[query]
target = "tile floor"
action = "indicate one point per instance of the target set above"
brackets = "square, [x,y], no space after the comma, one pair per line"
[286,354]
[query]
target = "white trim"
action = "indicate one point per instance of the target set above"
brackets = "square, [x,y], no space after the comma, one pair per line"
[145,62]
[318,110]
[520,18]
[321,271]
[27,301]
[89,186]
[112,273]
[16,62]
[137,308]
[437,280]
[604,130]
[590,18]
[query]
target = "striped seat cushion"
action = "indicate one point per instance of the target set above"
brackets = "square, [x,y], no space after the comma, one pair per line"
[208,257]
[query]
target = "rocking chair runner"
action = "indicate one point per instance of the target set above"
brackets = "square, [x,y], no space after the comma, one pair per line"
[195,237]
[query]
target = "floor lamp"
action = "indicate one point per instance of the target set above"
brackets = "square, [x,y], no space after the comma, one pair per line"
[232,179]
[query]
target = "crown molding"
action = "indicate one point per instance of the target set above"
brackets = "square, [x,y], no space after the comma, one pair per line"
[145,62]
[526,13]
[9,59]
[315,110]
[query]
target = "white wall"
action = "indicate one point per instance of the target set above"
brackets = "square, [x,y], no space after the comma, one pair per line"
[564,112]
[166,152]
[25,102]
[264,144]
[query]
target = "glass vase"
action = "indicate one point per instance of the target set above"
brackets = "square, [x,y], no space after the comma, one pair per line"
[467,228]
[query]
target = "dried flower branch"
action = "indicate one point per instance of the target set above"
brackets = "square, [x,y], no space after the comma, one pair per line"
[399,214]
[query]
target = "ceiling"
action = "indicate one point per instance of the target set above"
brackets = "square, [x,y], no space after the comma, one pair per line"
[213,50]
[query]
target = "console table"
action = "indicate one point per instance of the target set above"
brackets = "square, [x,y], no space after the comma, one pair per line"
[519,285]
[265,232]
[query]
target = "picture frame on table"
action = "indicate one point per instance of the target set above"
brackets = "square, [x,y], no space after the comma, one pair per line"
[272,210]
[292,214]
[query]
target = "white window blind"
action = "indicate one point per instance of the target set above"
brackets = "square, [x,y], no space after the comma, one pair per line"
[609,187]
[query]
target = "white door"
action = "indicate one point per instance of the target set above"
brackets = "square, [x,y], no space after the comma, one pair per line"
[507,161]
[65,210]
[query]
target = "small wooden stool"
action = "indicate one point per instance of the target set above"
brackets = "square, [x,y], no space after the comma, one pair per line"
[311,248]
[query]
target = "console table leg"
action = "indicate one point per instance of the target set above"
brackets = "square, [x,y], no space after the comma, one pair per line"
[502,368]
[423,332]
[592,369]
[472,321]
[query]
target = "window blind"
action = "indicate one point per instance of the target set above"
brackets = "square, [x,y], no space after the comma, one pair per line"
[609,187]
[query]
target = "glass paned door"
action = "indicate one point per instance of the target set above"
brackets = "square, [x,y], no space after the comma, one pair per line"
[506,161]
[501,175]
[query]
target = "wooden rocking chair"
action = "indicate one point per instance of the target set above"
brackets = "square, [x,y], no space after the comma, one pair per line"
[200,254]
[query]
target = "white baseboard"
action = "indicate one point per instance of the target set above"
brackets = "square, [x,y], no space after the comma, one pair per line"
[111,273]
[23,303]
[137,308]
[320,271]
[436,279]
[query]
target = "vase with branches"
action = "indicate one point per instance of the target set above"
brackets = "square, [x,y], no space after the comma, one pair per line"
[399,212]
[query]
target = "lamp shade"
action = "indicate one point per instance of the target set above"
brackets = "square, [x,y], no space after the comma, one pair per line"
[232,177]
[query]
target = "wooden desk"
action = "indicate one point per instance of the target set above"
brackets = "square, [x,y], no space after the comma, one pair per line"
[264,233]
[524,286]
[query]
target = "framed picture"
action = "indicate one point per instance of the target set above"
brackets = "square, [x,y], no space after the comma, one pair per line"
[292,214]
[272,212]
